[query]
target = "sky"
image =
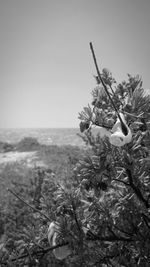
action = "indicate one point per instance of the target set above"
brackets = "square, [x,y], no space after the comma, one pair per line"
[46,67]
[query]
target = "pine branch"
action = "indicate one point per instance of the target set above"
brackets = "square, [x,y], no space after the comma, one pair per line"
[33,208]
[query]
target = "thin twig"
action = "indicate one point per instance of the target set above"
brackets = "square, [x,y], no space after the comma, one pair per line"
[94,238]
[75,217]
[42,251]
[33,208]
[102,125]
[122,230]
[120,181]
[29,254]
[109,239]
[146,219]
[136,190]
[104,85]
[132,115]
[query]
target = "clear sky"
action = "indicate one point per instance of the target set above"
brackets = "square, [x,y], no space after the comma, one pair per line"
[46,67]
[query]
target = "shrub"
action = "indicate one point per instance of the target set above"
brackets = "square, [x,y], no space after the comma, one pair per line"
[6,147]
[27,144]
[103,209]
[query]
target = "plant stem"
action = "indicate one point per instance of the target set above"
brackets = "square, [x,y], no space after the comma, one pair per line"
[136,189]
[104,85]
[42,251]
[33,208]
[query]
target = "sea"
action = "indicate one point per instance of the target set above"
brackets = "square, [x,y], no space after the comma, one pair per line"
[47,136]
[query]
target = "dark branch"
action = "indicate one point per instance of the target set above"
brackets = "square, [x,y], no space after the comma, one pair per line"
[136,189]
[75,217]
[39,252]
[146,220]
[120,181]
[91,236]
[33,208]
[104,85]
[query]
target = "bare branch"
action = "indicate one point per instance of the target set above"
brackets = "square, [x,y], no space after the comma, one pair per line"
[39,252]
[146,220]
[136,189]
[33,208]
[120,181]
[104,85]
[91,236]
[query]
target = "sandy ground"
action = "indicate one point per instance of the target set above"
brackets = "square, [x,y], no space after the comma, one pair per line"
[29,158]
[15,156]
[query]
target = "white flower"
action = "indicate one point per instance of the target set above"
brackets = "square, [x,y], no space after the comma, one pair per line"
[118,138]
[60,252]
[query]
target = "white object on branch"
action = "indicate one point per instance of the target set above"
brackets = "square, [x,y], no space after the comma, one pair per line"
[53,232]
[118,138]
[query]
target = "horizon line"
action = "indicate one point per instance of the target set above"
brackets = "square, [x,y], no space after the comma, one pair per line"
[41,127]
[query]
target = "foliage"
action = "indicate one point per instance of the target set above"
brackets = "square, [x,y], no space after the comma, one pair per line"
[102,205]
[27,144]
[60,160]
[6,147]
[124,172]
